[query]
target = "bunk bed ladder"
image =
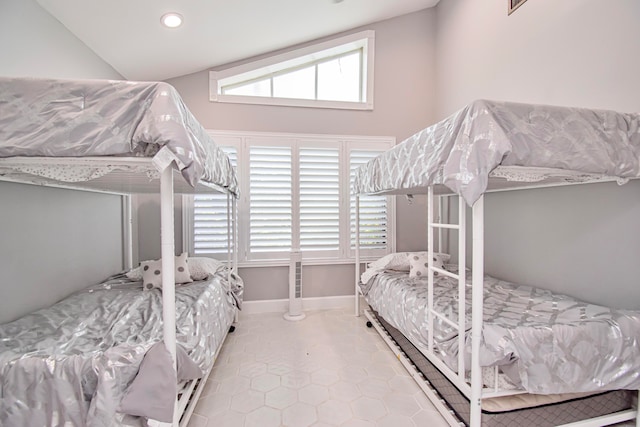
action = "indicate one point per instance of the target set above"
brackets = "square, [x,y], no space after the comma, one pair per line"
[460,324]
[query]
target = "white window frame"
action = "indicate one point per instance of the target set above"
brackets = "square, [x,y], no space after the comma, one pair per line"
[346,255]
[294,59]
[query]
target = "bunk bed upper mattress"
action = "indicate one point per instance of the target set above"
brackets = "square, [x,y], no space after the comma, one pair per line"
[73,362]
[461,151]
[80,118]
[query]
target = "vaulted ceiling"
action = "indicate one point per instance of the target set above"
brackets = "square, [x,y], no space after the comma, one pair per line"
[129,36]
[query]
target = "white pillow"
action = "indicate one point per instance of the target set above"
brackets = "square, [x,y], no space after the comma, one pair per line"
[201,267]
[135,273]
[419,261]
[395,261]
[151,272]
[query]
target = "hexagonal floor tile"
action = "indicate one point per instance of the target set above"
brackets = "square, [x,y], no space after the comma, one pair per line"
[393,420]
[334,412]
[263,417]
[281,397]
[247,401]
[313,394]
[399,404]
[324,377]
[329,370]
[374,387]
[367,408]
[344,391]
[213,404]
[295,379]
[299,415]
[234,385]
[252,369]
[265,382]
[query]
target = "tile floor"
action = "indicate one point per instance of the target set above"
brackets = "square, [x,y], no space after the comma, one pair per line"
[326,370]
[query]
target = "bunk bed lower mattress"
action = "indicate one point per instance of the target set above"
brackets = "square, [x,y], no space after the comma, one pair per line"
[545,415]
[72,363]
[545,343]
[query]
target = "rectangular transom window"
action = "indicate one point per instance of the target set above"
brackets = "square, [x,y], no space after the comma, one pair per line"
[295,195]
[331,74]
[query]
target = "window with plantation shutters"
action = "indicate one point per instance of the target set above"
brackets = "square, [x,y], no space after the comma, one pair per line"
[319,183]
[210,232]
[269,199]
[295,193]
[373,209]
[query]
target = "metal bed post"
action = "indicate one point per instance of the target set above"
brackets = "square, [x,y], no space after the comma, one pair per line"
[231,242]
[440,221]
[234,206]
[430,314]
[234,231]
[168,269]
[462,285]
[477,285]
[229,237]
[127,231]
[357,266]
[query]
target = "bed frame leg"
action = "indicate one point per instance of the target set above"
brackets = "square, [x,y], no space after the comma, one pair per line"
[638,409]
[357,266]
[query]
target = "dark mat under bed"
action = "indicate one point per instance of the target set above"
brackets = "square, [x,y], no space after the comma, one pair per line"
[541,416]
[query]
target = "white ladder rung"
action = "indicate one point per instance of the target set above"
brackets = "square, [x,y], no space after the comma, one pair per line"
[445,272]
[447,321]
[440,225]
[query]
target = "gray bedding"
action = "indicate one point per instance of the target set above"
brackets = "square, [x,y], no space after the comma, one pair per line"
[546,343]
[461,151]
[80,118]
[72,363]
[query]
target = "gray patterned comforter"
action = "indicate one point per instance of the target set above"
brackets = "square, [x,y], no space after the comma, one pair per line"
[461,151]
[71,364]
[546,343]
[79,118]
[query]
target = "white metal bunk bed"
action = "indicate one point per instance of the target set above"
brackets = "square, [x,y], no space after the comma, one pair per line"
[123,138]
[489,146]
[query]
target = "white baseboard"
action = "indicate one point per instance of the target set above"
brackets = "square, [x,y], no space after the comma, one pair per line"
[282,305]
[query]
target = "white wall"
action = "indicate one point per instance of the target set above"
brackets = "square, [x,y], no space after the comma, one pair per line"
[581,53]
[34,44]
[404,102]
[582,240]
[53,241]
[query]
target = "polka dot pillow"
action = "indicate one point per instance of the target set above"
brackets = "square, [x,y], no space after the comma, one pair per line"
[418,263]
[152,272]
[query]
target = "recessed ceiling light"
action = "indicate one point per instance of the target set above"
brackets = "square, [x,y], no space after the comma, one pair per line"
[171,20]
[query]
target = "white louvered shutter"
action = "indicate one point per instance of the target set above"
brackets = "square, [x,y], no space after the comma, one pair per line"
[269,200]
[373,209]
[210,218]
[319,182]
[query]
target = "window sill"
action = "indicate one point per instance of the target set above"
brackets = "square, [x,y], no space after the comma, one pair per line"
[289,102]
[285,262]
